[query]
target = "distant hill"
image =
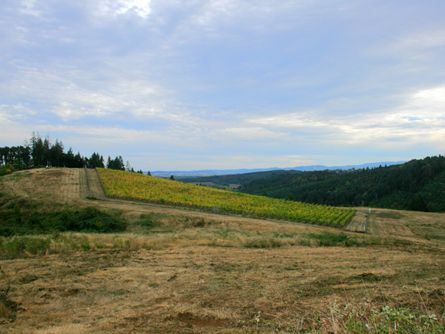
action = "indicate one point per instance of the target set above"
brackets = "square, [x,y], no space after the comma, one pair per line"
[211,172]
[415,185]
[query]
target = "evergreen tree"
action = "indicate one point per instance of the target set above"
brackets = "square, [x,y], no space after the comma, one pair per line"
[56,155]
[95,161]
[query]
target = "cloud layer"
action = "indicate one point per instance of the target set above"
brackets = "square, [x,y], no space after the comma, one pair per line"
[224,83]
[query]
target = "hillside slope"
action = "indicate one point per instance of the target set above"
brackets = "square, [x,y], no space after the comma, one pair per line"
[127,185]
[415,185]
[176,270]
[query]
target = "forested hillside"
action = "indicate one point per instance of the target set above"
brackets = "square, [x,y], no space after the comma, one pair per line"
[415,185]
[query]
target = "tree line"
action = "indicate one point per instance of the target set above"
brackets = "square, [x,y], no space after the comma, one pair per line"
[41,152]
[415,185]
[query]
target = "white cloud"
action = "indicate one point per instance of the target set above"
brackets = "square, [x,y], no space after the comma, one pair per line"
[301,119]
[419,118]
[74,95]
[15,112]
[249,133]
[140,8]
[251,161]
[423,40]
[418,48]
[28,7]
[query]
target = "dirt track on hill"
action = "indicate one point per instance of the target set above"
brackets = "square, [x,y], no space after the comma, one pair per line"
[94,189]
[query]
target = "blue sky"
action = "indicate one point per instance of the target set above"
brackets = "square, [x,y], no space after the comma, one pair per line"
[226,84]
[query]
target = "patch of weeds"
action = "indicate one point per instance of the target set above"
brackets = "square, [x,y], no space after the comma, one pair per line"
[401,243]
[366,319]
[224,267]
[263,243]
[391,215]
[153,285]
[293,267]
[367,277]
[218,283]
[21,217]
[20,246]
[284,235]
[124,244]
[223,232]
[147,221]
[327,239]
[193,222]
[8,308]
[436,236]
[28,278]
[401,320]
[305,242]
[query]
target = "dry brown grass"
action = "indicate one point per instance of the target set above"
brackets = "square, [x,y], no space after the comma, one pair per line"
[182,276]
[200,289]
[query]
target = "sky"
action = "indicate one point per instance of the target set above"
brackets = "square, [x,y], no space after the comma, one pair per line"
[196,84]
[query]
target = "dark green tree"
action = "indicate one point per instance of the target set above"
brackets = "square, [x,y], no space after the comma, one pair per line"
[96,161]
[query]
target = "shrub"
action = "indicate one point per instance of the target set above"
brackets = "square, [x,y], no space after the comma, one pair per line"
[147,221]
[6,169]
[20,217]
[331,239]
[263,243]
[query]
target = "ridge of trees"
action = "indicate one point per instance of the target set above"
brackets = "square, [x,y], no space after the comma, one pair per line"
[41,152]
[415,185]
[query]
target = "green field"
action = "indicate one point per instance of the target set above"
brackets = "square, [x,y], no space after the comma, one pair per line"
[119,184]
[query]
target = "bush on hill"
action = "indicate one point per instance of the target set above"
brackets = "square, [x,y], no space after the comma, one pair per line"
[6,169]
[20,217]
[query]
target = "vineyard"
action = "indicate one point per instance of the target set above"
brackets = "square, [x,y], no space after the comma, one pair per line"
[124,185]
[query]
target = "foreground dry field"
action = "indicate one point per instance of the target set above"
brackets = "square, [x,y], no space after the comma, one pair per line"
[196,272]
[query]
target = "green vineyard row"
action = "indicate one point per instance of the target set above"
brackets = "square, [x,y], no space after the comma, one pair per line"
[124,185]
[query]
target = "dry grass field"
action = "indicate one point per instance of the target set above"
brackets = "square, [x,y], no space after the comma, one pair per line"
[182,271]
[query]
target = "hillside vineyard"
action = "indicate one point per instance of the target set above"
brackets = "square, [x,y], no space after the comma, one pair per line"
[124,185]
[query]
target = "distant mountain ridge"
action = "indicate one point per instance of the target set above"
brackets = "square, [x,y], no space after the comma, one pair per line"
[213,172]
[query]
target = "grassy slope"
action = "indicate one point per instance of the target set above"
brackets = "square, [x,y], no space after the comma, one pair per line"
[135,186]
